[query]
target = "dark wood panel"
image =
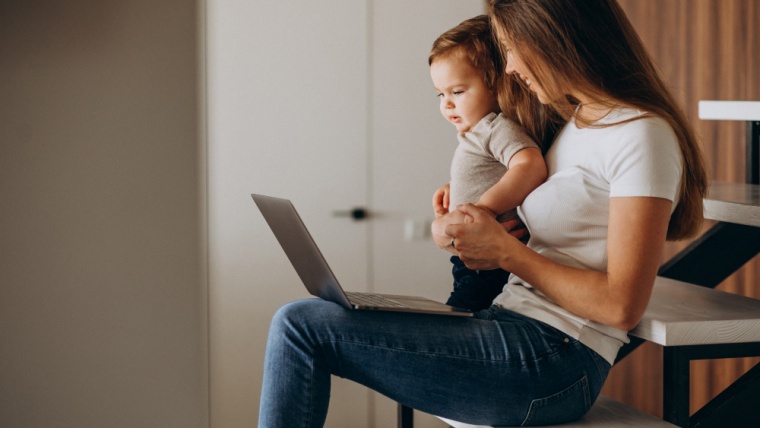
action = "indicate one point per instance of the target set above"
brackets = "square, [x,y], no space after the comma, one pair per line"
[706,50]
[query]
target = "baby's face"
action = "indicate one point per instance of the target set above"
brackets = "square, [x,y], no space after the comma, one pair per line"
[464,97]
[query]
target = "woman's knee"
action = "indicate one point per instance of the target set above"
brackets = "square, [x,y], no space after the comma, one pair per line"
[290,314]
[301,317]
[291,310]
[287,326]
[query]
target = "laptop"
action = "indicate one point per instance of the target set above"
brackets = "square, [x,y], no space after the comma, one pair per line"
[316,275]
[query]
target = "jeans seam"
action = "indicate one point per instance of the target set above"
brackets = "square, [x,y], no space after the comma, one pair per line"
[602,366]
[555,349]
[312,392]
[522,362]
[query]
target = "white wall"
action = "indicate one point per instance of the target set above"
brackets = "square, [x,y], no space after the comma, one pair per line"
[102,290]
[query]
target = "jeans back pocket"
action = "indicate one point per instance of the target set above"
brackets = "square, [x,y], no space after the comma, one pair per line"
[568,405]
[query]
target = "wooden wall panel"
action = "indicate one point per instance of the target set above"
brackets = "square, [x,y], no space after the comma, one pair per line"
[706,50]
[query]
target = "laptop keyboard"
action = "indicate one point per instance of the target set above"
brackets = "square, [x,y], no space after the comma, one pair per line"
[373,300]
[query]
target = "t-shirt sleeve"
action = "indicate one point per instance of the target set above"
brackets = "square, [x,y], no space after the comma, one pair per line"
[507,138]
[646,162]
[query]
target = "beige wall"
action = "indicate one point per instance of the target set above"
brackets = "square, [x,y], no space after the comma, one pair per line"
[102,296]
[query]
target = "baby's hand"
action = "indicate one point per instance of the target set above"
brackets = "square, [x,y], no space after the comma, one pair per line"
[517,229]
[482,207]
[441,201]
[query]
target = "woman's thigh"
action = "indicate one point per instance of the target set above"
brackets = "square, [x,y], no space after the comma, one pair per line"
[497,368]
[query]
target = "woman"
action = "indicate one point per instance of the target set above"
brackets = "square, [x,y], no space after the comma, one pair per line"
[625,173]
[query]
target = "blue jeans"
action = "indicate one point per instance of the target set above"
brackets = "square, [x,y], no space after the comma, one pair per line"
[499,368]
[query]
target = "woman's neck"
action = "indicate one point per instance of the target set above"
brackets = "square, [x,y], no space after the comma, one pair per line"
[592,110]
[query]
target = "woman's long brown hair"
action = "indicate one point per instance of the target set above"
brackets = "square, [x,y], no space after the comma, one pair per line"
[591,47]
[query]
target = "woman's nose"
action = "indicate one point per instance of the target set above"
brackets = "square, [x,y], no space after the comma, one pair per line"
[510,64]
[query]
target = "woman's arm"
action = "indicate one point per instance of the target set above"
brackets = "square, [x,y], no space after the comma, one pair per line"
[618,297]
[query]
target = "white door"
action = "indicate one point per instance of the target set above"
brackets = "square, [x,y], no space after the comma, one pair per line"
[411,149]
[287,117]
[329,104]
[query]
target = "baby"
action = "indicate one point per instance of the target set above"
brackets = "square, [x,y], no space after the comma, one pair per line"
[496,164]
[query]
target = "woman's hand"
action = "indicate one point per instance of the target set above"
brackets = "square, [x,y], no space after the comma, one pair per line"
[441,201]
[438,230]
[483,243]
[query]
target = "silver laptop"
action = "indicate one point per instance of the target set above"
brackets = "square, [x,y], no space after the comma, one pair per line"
[317,276]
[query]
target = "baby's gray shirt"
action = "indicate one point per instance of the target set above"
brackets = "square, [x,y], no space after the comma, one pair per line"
[481,159]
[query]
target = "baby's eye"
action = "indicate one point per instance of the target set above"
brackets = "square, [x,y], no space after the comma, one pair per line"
[438,94]
[458,92]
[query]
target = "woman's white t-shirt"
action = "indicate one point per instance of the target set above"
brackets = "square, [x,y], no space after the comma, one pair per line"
[568,215]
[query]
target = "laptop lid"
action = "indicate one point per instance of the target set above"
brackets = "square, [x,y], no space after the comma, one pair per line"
[317,276]
[302,251]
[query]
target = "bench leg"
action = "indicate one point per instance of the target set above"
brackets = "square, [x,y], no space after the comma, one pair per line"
[736,406]
[752,158]
[405,416]
[676,386]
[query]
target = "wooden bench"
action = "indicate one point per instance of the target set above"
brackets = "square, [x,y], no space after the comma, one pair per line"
[692,323]
[707,262]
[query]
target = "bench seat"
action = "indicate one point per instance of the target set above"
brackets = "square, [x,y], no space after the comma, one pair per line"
[684,314]
[737,203]
[606,413]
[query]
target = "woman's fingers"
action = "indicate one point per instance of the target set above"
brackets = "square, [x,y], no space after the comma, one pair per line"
[474,212]
[517,229]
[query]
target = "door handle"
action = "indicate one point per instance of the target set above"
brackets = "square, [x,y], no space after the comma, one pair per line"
[357,214]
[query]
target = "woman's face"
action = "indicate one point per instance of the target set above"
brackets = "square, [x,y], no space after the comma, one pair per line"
[515,65]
